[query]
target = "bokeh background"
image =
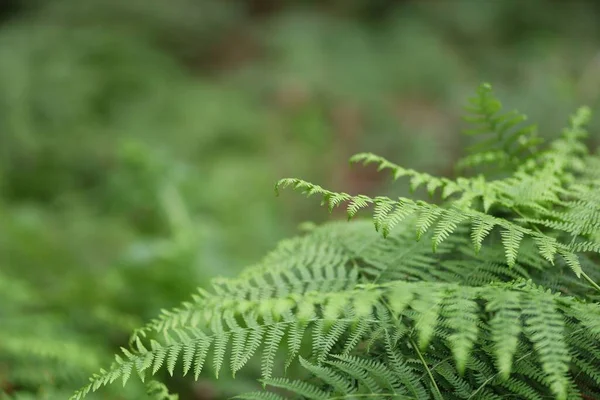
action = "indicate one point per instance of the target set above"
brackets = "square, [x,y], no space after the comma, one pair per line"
[140,141]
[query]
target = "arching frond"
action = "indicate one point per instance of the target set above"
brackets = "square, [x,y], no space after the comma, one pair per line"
[488,294]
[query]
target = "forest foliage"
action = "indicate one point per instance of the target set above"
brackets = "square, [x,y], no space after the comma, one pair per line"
[139,143]
[495,297]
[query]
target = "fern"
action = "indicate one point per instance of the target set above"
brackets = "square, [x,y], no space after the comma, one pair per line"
[466,298]
[505,141]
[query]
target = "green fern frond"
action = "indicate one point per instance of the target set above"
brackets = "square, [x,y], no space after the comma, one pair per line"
[429,305]
[428,215]
[340,384]
[545,329]
[509,142]
[417,178]
[511,239]
[461,314]
[505,326]
[478,306]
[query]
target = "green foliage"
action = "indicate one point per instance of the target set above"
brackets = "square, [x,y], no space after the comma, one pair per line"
[138,141]
[103,220]
[50,357]
[477,306]
[509,143]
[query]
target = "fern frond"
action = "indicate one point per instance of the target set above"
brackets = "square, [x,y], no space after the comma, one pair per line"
[273,339]
[545,328]
[340,384]
[430,305]
[505,326]
[479,306]
[461,314]
[509,141]
[428,214]
[417,178]
[511,239]
[481,227]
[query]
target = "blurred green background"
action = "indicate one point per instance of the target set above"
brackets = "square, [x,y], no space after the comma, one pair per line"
[140,141]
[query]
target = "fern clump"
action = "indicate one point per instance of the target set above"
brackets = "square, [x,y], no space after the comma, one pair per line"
[488,291]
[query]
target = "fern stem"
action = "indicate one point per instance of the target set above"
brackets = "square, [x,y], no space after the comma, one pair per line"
[414,345]
[591,281]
